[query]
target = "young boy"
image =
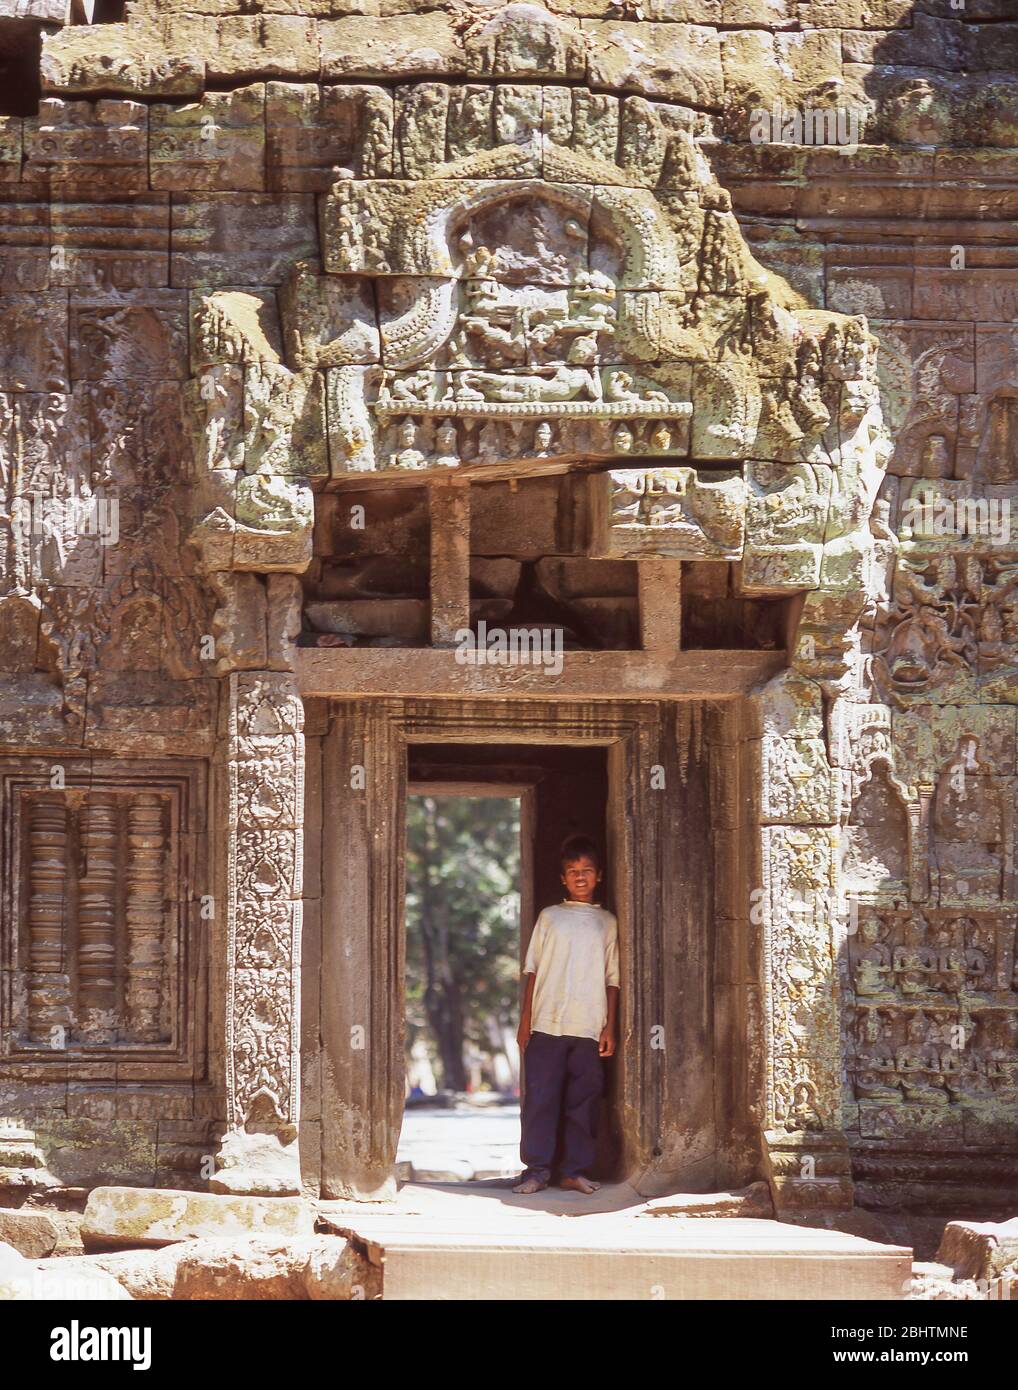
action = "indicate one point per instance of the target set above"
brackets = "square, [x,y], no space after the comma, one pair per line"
[569,1023]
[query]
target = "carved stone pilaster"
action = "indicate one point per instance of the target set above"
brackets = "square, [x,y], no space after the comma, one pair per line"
[804,1149]
[796,911]
[253,534]
[265,778]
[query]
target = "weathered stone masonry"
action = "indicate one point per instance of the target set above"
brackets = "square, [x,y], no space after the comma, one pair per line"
[375,325]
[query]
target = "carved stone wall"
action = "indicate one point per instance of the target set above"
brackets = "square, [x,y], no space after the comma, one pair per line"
[737,394]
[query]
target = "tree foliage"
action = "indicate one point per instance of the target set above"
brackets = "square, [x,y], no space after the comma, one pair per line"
[462,900]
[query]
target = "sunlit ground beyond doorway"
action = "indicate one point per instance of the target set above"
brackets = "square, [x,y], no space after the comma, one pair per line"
[461,1119]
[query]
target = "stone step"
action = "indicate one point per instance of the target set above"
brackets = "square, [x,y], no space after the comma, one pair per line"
[611,1257]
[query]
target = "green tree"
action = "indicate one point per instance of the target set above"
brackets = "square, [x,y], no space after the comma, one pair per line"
[463,863]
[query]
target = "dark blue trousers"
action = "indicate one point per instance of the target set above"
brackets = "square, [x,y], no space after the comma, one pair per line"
[564,1077]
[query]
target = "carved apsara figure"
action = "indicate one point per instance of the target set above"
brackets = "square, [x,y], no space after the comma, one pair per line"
[871,961]
[876,1077]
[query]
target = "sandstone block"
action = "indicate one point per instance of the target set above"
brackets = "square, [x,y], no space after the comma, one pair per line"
[764,70]
[312,131]
[768,13]
[265,45]
[988,295]
[929,41]
[679,62]
[878,292]
[330,322]
[45,11]
[119,1216]
[11,132]
[109,241]
[401,47]
[31,1233]
[98,143]
[23,1281]
[284,421]
[239,238]
[24,232]
[233,326]
[304,1267]
[525,40]
[140,334]
[33,346]
[979,1250]
[216,143]
[132,58]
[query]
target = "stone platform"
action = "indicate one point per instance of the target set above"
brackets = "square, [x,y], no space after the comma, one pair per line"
[478,1241]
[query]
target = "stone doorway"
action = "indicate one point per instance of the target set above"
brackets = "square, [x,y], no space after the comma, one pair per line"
[562,791]
[631,767]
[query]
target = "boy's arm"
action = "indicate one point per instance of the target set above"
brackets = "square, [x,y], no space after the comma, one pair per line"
[609,1038]
[523,1032]
[610,1032]
[530,964]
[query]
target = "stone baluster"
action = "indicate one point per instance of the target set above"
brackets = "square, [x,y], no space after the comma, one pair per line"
[146,906]
[97,1000]
[49,1012]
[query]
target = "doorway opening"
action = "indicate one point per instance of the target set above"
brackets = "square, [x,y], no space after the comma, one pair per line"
[484,824]
[461,1112]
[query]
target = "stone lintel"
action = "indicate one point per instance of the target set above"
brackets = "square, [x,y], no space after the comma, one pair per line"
[651,675]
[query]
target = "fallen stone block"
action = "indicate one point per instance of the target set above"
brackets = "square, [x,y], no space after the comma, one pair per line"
[25,1281]
[979,1250]
[936,1283]
[317,1268]
[131,1216]
[31,1233]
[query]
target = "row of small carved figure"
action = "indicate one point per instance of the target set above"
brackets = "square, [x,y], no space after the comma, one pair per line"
[938,1062]
[932,1080]
[450,445]
[942,1056]
[915,969]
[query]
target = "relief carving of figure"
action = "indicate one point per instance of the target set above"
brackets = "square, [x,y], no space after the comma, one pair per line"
[576,379]
[929,634]
[876,1077]
[919,1065]
[914,961]
[871,964]
[409,455]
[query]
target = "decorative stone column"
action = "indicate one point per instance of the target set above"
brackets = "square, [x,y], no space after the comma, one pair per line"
[254,538]
[264,772]
[794,914]
[798,910]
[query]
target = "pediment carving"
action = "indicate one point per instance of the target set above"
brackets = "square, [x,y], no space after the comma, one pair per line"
[575,313]
[535,305]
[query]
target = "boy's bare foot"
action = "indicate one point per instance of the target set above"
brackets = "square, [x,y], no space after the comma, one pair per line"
[579,1184]
[529,1186]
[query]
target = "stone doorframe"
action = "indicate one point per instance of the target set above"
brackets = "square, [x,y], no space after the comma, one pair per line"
[363,818]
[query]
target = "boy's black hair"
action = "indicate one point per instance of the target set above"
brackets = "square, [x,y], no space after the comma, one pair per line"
[577,846]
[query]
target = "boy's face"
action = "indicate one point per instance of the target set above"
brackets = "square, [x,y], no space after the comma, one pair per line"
[581,877]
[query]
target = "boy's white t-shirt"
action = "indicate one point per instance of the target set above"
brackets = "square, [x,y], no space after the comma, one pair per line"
[574,957]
